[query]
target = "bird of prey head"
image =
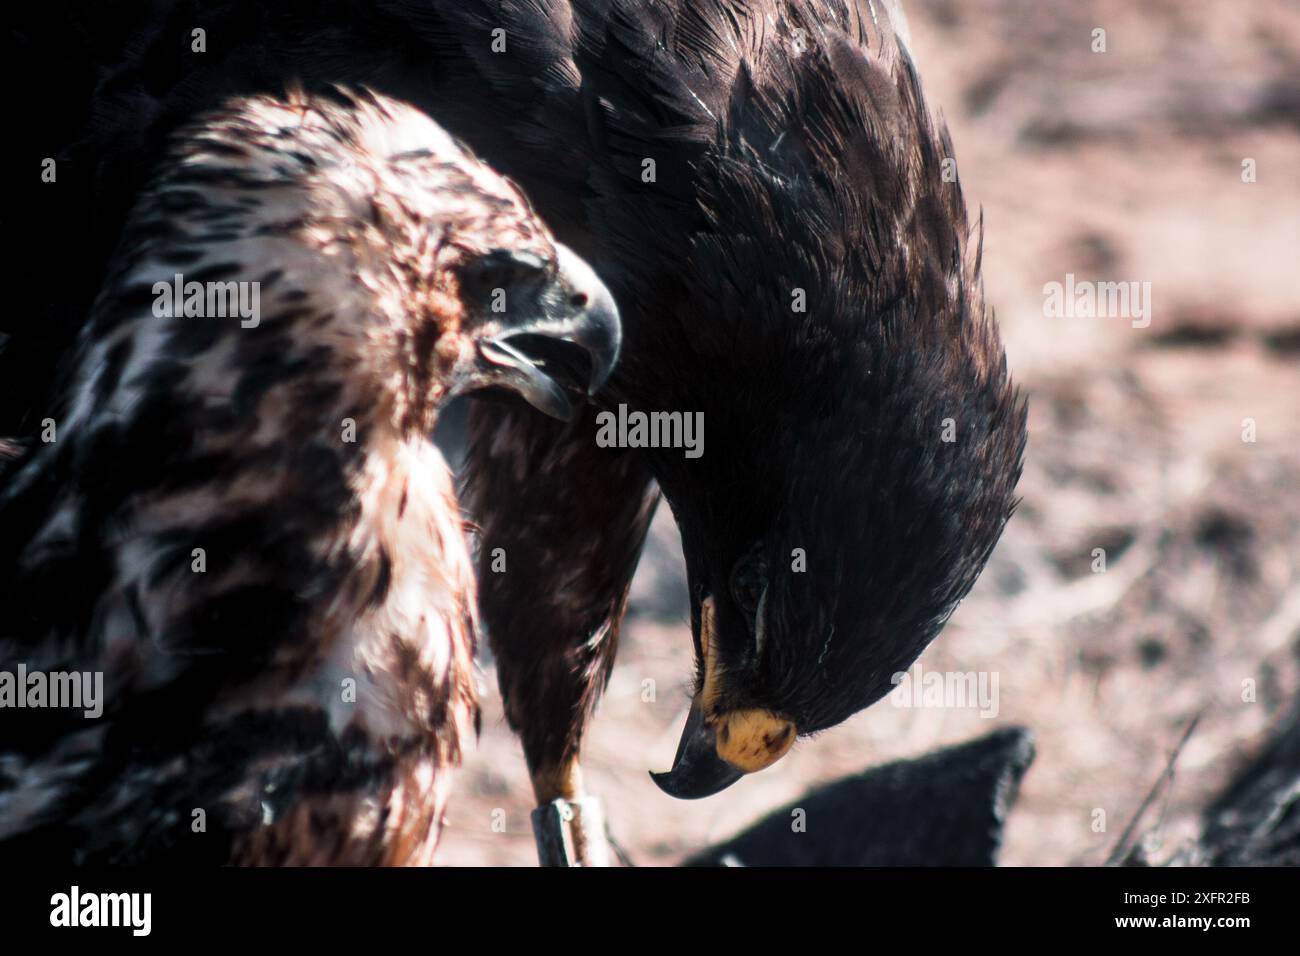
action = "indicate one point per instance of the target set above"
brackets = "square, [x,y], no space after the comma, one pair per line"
[851,383]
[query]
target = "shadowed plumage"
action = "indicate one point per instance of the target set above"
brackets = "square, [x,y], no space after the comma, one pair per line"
[241,521]
[802,272]
[830,527]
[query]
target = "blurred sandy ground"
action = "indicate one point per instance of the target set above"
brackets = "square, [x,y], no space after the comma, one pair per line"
[1124,165]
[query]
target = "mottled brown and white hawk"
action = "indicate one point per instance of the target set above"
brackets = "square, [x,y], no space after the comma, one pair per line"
[241,523]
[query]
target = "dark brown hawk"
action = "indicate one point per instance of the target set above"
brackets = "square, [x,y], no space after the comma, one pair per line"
[240,522]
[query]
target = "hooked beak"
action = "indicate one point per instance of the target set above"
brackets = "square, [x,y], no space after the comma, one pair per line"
[697,770]
[719,746]
[534,358]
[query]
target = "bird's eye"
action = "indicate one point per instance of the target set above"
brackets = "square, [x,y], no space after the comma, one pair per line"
[502,269]
[748,579]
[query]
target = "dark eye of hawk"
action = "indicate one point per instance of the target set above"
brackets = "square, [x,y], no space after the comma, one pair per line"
[748,579]
[502,269]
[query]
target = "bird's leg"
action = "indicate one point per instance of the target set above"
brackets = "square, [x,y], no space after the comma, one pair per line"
[562,523]
[569,825]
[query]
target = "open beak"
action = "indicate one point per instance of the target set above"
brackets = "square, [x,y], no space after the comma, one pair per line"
[720,746]
[535,358]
